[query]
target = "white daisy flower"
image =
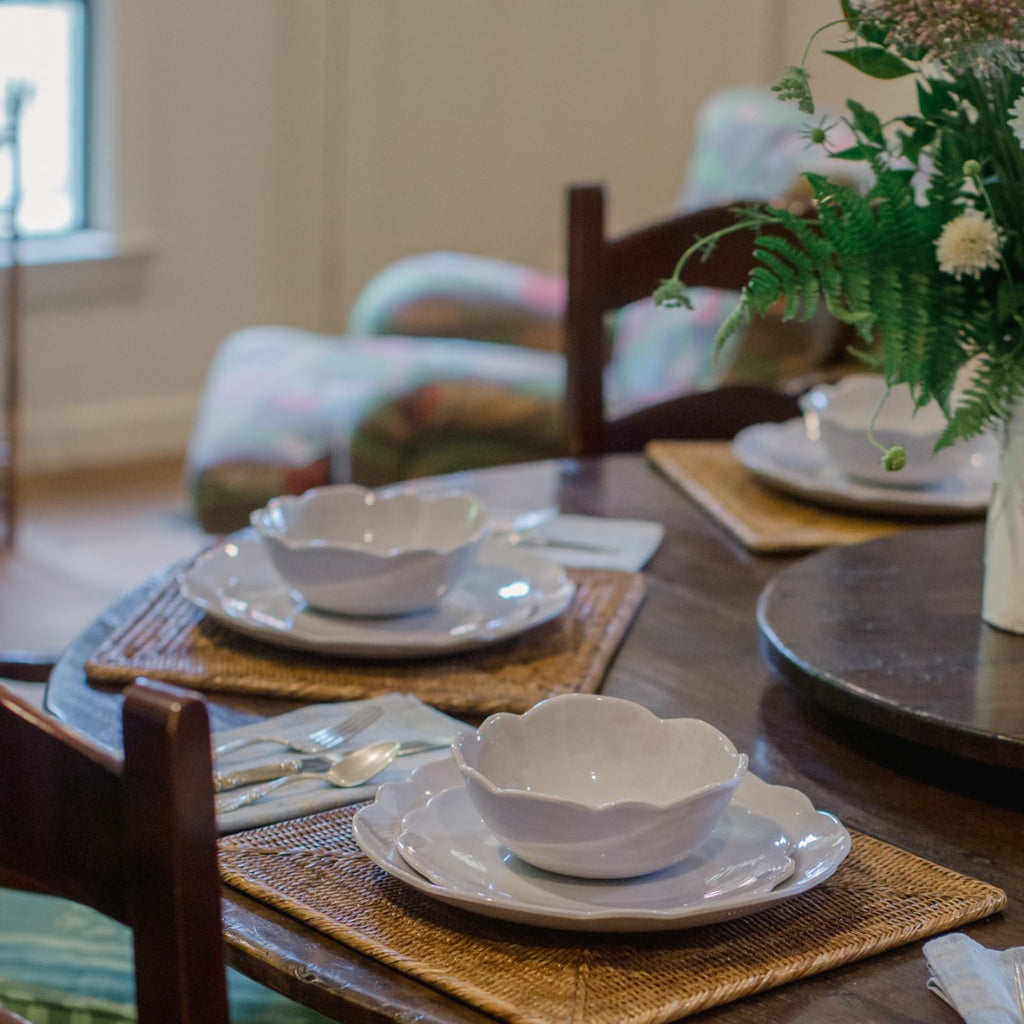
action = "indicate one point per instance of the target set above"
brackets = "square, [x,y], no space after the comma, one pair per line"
[968,244]
[1017,119]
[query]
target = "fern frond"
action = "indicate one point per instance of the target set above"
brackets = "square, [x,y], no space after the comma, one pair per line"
[871,259]
[738,318]
[996,385]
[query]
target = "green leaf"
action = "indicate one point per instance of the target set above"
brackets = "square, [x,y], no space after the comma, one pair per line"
[872,31]
[866,123]
[1009,299]
[936,100]
[915,142]
[874,61]
[859,152]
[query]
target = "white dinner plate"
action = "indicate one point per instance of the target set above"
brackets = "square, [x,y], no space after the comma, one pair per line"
[818,843]
[506,592]
[782,456]
[448,843]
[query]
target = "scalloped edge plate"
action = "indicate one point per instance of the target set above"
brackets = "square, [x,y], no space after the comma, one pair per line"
[782,456]
[504,593]
[818,841]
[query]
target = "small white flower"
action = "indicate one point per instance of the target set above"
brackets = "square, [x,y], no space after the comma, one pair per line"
[968,244]
[1017,119]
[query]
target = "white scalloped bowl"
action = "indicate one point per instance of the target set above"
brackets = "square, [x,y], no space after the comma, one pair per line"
[354,551]
[598,787]
[842,413]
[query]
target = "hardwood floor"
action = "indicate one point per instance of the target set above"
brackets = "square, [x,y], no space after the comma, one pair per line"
[84,538]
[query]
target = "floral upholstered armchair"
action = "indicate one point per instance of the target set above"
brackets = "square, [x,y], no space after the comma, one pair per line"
[452,361]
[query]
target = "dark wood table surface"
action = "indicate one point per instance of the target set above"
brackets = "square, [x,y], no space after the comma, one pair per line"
[694,650]
[913,660]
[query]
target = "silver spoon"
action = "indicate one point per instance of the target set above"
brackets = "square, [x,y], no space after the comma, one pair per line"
[352,770]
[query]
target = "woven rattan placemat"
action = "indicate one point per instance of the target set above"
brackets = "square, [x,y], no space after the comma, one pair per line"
[171,639]
[763,520]
[881,897]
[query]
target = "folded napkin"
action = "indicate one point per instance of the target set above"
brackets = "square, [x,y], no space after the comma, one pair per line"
[517,497]
[595,542]
[977,982]
[405,718]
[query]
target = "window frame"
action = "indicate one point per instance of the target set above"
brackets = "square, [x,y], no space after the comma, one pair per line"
[81,121]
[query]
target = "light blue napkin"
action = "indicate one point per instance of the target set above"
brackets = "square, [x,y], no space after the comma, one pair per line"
[595,542]
[405,718]
[977,982]
[522,502]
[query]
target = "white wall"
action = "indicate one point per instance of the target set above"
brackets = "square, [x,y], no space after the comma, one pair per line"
[114,353]
[268,156]
[832,80]
[462,120]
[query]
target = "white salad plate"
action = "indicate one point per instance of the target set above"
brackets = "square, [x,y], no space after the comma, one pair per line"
[448,843]
[506,592]
[498,885]
[784,457]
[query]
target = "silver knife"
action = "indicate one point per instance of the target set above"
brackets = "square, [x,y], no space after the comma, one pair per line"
[316,763]
[540,540]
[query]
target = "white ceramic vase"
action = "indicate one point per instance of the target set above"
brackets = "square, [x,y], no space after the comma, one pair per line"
[1003,596]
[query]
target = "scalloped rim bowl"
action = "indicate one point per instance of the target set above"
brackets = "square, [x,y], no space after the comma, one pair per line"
[354,551]
[598,787]
[842,412]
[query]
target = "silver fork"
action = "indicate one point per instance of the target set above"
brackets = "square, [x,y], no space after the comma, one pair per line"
[323,739]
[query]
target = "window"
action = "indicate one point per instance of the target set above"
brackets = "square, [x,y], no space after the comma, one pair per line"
[44,48]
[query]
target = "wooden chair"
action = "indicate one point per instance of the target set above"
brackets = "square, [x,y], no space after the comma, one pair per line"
[133,839]
[606,273]
[26,666]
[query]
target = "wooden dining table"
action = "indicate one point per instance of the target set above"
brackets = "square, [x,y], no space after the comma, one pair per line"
[695,649]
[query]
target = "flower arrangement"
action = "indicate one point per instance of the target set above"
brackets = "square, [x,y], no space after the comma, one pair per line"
[928,263]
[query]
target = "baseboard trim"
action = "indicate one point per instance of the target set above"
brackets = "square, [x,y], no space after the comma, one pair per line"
[103,433]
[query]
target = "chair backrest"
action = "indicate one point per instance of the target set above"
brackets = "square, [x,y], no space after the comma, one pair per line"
[606,273]
[26,666]
[133,839]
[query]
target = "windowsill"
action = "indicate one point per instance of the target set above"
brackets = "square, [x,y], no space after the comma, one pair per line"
[86,266]
[78,247]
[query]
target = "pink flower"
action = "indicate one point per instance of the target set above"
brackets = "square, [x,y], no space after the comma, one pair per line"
[951,31]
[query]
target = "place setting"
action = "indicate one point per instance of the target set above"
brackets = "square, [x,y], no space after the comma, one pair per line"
[819,479]
[589,813]
[516,869]
[342,571]
[345,592]
[826,456]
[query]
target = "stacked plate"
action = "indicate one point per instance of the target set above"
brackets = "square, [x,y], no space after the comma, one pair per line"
[769,845]
[784,457]
[505,592]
